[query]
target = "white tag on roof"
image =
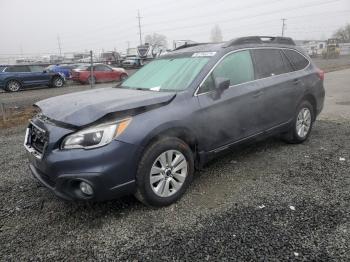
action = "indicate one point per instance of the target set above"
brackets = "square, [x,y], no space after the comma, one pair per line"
[203,54]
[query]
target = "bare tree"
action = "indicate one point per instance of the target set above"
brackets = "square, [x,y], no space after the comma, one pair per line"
[156,40]
[216,34]
[343,33]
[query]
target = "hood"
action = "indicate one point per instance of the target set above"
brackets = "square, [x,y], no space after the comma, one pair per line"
[83,108]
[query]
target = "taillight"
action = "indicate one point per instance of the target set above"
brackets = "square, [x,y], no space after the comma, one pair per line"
[320,74]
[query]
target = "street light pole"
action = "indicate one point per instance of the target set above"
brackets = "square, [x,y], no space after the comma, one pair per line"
[139,18]
[91,70]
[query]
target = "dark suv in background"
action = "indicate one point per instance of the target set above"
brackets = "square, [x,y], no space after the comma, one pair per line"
[146,136]
[15,77]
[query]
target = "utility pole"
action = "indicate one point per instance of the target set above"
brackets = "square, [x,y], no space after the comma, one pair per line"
[139,18]
[283,25]
[59,44]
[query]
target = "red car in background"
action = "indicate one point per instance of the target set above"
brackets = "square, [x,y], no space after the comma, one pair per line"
[101,73]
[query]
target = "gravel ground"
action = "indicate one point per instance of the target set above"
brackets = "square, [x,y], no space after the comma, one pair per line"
[266,201]
[239,207]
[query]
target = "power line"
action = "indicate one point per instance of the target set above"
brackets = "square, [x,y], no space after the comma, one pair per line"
[225,21]
[234,19]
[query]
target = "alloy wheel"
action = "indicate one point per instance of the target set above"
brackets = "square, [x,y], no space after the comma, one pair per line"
[13,86]
[58,82]
[168,173]
[303,122]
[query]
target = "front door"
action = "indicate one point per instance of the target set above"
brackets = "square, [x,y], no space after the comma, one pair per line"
[38,76]
[232,115]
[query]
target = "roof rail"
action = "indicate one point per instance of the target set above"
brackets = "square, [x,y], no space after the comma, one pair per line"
[189,45]
[261,40]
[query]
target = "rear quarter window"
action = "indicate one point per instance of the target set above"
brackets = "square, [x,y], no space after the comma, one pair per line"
[297,60]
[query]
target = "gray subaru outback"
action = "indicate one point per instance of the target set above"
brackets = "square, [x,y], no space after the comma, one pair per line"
[147,136]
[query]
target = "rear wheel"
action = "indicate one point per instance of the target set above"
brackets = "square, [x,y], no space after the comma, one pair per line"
[57,81]
[164,172]
[13,86]
[302,124]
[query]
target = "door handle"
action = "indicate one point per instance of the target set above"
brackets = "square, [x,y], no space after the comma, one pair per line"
[257,94]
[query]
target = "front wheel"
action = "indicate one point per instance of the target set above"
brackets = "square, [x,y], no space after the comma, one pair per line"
[123,77]
[164,172]
[302,124]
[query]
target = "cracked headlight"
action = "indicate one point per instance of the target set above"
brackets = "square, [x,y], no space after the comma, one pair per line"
[95,136]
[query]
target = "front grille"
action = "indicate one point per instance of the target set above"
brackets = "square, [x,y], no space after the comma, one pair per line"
[38,138]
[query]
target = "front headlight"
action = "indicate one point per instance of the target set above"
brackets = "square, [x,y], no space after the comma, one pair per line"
[95,136]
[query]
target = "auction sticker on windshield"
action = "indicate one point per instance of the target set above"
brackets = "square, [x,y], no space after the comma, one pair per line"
[201,54]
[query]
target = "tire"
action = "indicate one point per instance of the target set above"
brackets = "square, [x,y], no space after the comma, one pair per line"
[302,124]
[91,79]
[13,86]
[57,82]
[123,77]
[169,184]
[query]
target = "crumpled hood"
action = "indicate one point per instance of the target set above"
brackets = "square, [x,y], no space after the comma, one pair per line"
[82,108]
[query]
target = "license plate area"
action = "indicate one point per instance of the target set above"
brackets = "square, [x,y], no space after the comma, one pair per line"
[36,140]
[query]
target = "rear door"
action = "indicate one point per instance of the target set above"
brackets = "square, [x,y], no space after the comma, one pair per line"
[231,116]
[279,89]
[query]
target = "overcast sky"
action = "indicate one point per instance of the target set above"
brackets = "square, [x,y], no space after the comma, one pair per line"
[32,26]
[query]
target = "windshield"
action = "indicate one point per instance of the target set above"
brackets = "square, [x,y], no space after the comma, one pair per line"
[166,74]
[2,68]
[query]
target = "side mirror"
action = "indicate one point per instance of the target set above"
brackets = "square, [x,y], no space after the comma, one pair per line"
[222,84]
[45,71]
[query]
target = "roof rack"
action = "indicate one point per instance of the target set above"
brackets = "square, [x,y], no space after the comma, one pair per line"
[261,40]
[189,45]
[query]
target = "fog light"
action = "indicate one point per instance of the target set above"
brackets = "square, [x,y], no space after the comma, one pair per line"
[86,188]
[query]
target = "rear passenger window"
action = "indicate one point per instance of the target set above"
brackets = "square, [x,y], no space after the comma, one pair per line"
[269,62]
[297,60]
[18,69]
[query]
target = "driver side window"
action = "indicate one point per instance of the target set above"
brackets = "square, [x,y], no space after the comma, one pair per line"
[237,67]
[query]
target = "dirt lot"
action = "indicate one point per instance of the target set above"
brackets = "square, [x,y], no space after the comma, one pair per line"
[266,201]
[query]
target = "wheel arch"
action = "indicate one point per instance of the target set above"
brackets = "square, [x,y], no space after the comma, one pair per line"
[182,133]
[312,100]
[7,80]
